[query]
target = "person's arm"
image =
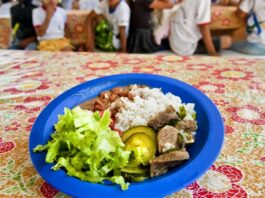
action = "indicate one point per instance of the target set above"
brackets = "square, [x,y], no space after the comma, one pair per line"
[92,20]
[123,39]
[41,29]
[207,39]
[161,4]
[244,7]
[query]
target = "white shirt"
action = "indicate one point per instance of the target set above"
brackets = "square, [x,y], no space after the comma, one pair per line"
[5,9]
[185,33]
[120,17]
[37,2]
[258,7]
[55,28]
[88,4]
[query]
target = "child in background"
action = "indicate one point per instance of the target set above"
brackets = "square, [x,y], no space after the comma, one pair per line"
[5,8]
[116,13]
[67,4]
[189,25]
[85,4]
[49,22]
[141,37]
[23,31]
[252,11]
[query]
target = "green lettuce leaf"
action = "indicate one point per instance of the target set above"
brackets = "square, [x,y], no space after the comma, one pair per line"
[84,145]
[120,180]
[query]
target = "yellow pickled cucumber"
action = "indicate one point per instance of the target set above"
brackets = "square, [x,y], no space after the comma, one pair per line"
[140,129]
[143,148]
[135,170]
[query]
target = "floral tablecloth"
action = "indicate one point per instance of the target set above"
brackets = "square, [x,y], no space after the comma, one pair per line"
[30,80]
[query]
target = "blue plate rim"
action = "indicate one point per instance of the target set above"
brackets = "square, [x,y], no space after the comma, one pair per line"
[167,182]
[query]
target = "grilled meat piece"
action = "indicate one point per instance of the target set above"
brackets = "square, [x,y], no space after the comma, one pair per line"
[162,163]
[167,139]
[171,157]
[157,169]
[187,125]
[162,118]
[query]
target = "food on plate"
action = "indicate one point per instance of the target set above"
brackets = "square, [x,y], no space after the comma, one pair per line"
[168,139]
[162,163]
[140,129]
[126,134]
[163,118]
[86,147]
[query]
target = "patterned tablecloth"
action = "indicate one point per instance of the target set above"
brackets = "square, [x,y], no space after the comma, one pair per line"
[30,80]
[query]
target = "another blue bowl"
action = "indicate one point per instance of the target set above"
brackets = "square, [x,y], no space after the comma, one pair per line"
[203,153]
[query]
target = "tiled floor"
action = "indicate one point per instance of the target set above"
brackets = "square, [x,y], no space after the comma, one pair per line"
[224,53]
[232,53]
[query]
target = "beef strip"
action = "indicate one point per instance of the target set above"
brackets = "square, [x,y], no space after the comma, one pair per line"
[167,139]
[171,157]
[187,125]
[162,168]
[162,118]
[162,163]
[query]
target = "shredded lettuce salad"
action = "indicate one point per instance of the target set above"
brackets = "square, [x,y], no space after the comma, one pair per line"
[85,146]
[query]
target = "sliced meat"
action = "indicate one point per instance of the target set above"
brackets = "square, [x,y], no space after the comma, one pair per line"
[187,125]
[162,163]
[162,118]
[161,168]
[167,139]
[171,157]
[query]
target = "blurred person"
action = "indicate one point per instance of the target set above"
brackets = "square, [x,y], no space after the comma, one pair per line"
[5,8]
[108,26]
[67,4]
[253,12]
[49,22]
[190,33]
[24,35]
[141,37]
[85,4]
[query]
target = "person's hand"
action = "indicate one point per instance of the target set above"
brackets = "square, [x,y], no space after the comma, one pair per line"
[50,10]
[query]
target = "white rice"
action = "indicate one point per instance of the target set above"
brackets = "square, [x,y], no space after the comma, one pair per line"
[147,103]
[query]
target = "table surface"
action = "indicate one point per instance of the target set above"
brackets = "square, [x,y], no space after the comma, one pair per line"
[30,80]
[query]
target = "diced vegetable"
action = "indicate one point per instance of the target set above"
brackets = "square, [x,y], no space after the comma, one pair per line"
[182,112]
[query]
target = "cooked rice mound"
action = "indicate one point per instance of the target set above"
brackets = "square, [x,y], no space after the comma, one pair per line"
[146,103]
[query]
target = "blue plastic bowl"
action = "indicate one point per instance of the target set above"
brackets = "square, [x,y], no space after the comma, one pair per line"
[203,152]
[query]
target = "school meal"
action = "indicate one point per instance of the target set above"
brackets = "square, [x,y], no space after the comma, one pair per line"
[126,134]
